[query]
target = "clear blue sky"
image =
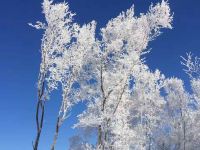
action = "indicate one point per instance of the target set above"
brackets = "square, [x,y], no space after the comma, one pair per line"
[20,59]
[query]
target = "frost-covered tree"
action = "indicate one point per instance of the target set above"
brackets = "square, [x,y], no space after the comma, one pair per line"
[124,40]
[178,112]
[192,68]
[180,125]
[65,45]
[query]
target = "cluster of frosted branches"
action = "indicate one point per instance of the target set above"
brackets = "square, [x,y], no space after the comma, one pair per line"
[192,65]
[128,106]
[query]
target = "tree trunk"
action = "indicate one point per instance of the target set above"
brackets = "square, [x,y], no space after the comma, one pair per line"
[39,111]
[39,122]
[99,140]
[58,124]
[184,136]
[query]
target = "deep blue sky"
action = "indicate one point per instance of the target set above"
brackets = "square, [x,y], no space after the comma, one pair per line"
[20,59]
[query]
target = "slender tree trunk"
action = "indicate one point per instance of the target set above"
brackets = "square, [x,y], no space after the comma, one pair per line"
[40,109]
[184,130]
[39,122]
[184,135]
[100,143]
[58,124]
[163,146]
[99,140]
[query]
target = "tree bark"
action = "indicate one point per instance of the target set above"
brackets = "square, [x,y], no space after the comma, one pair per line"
[58,124]
[40,109]
[39,122]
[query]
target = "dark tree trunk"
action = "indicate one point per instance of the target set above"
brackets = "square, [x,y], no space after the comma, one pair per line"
[58,124]
[40,109]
